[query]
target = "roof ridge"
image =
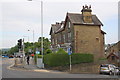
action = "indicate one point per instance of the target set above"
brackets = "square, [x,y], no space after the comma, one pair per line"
[80,13]
[73,13]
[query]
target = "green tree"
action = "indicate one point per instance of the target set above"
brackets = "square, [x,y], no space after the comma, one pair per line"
[0,52]
[30,46]
[48,51]
[13,50]
[46,43]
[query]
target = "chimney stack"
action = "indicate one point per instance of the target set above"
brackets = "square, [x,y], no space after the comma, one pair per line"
[86,13]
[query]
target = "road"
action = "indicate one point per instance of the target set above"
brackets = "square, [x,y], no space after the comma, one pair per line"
[8,73]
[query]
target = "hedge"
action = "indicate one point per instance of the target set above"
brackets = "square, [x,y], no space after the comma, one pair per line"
[63,59]
[61,51]
[48,51]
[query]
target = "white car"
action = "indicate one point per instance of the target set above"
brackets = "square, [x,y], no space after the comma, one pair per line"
[109,69]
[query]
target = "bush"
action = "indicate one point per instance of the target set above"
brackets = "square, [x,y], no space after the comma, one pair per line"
[61,51]
[38,55]
[63,59]
[48,51]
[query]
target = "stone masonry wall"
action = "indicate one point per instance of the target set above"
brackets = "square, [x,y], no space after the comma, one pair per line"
[88,40]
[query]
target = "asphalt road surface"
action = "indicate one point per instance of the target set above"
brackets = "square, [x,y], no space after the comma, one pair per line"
[8,73]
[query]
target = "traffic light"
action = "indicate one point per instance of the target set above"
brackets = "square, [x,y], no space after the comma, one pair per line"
[20,43]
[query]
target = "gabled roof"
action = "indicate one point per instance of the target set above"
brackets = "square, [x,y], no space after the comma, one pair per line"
[77,18]
[114,45]
[103,32]
[56,27]
[112,54]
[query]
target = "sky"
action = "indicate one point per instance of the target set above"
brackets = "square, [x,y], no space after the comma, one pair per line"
[19,16]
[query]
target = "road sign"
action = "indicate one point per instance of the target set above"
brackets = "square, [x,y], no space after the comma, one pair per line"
[37,52]
[69,51]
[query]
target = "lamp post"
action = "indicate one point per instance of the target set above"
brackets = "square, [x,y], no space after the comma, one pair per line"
[33,40]
[42,31]
[41,2]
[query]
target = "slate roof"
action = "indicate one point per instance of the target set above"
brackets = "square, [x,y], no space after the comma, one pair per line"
[77,18]
[56,27]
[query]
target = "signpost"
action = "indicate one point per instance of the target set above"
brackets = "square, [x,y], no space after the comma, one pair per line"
[69,53]
[37,52]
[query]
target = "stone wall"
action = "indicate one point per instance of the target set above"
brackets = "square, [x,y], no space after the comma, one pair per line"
[80,68]
[88,40]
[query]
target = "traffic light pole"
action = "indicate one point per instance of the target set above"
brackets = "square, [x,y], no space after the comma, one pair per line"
[70,64]
[23,50]
[19,50]
[23,53]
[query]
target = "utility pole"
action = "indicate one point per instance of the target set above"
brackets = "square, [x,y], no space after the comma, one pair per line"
[33,41]
[42,31]
[23,52]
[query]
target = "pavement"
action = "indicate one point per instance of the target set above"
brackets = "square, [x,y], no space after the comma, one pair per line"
[31,67]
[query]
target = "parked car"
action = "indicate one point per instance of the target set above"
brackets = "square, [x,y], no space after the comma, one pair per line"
[4,56]
[18,55]
[119,70]
[109,69]
[11,56]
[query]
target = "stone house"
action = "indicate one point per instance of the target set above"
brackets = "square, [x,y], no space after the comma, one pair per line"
[113,53]
[113,48]
[81,32]
[113,58]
